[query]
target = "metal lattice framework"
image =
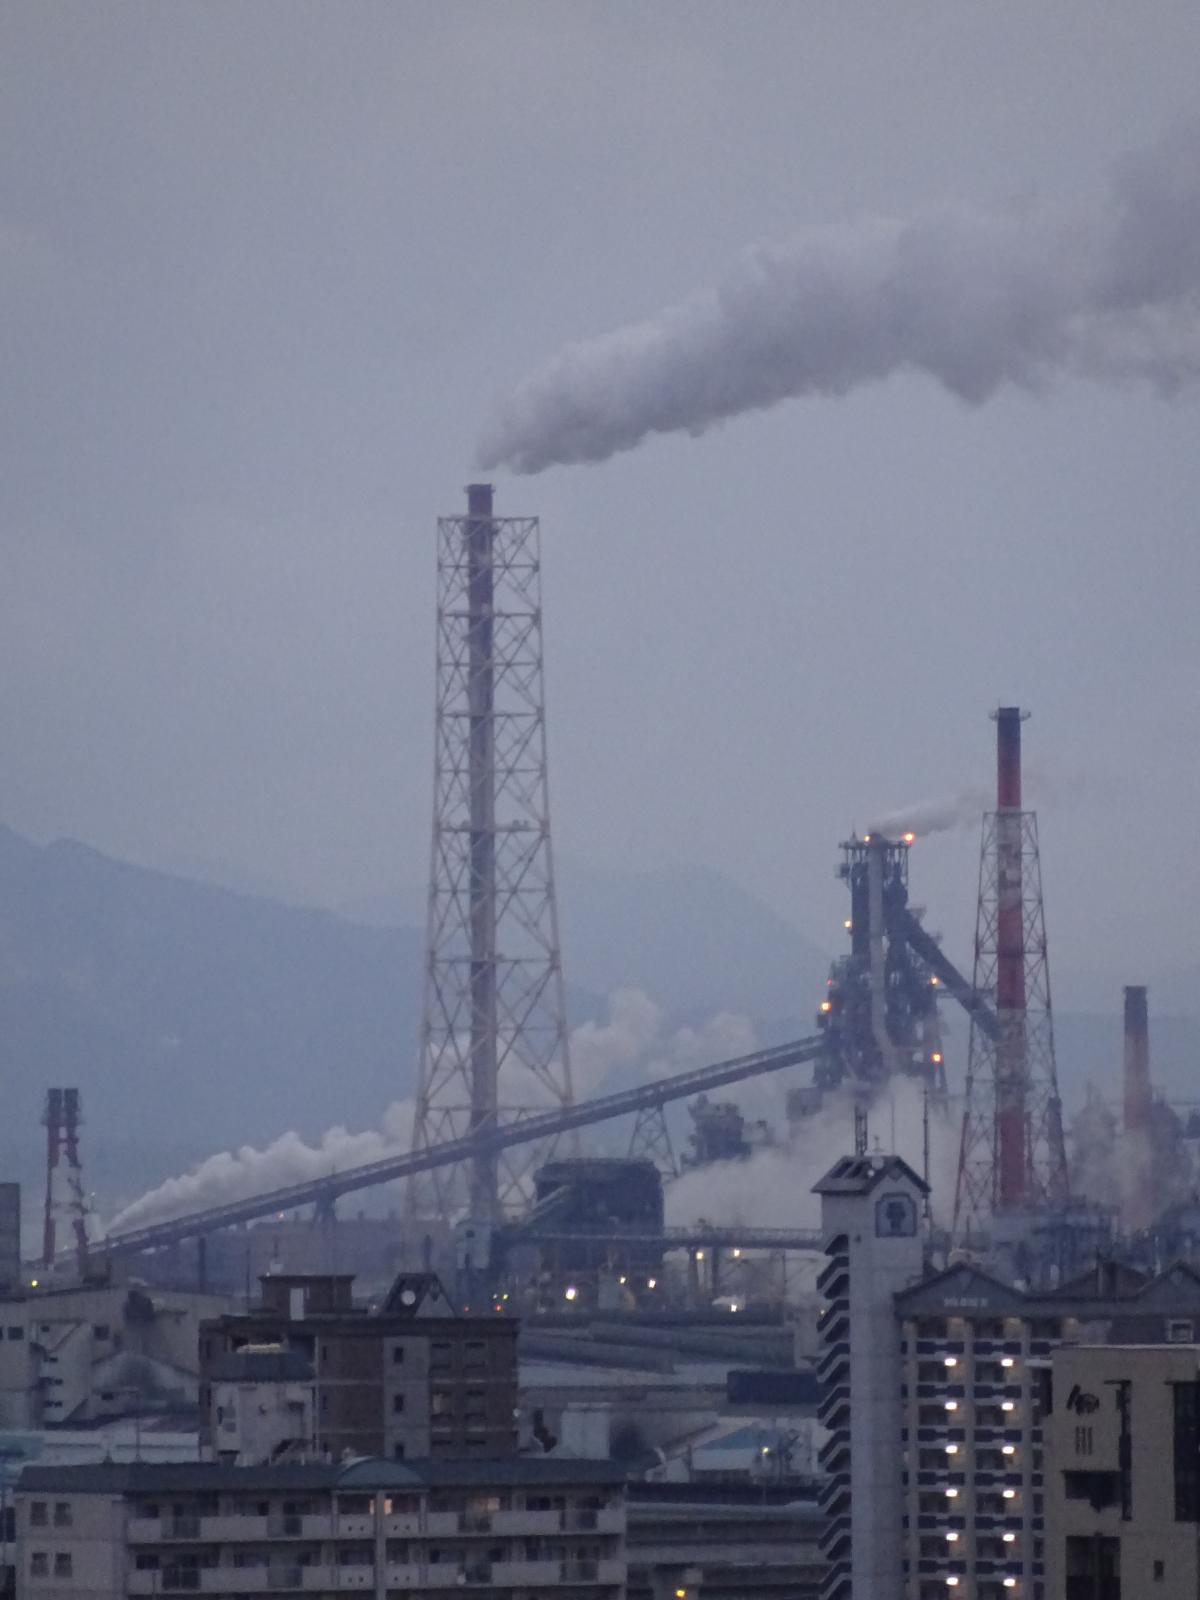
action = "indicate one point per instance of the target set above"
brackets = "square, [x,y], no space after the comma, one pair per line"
[651,1138]
[1012,1154]
[494,1037]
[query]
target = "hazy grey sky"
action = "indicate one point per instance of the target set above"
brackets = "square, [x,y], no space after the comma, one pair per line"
[265,268]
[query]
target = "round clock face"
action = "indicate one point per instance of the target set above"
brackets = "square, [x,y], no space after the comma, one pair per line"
[408,1297]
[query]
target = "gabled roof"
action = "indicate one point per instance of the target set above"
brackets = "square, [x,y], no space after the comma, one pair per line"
[861,1174]
[1107,1280]
[963,1286]
[1123,1293]
[1175,1287]
[417,1294]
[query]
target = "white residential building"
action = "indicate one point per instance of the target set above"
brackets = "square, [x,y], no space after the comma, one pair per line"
[870,1219]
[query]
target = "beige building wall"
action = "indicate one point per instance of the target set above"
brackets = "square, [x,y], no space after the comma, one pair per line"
[406,1398]
[1111,1475]
[77,1355]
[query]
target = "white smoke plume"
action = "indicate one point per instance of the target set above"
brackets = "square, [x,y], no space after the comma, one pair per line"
[974,300]
[240,1174]
[632,1036]
[633,1029]
[960,810]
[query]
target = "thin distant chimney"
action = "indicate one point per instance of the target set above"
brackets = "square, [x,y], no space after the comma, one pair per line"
[1139,1203]
[1137,1057]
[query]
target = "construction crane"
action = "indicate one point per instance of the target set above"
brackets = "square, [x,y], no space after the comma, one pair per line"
[323,1191]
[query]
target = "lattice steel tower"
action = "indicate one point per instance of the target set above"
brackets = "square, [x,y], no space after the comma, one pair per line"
[1011,1158]
[494,1035]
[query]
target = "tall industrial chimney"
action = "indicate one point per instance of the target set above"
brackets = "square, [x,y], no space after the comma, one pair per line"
[1012,1157]
[1138,1197]
[479,541]
[1011,1068]
[494,1037]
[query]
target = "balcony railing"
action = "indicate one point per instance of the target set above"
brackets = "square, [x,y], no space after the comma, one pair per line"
[177,1579]
[580,1521]
[580,1571]
[290,1576]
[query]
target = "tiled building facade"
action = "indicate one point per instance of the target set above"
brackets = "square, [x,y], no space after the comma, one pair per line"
[411,1380]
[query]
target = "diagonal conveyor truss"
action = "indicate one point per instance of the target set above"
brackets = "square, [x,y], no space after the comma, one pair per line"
[546,1125]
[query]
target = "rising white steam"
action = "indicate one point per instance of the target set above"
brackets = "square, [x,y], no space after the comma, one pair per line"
[974,300]
[632,1037]
[240,1174]
[632,1029]
[960,810]
[773,1189]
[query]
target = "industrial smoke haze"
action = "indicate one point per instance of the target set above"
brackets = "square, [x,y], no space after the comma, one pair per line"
[241,1174]
[975,300]
[960,810]
[632,1036]
[773,1188]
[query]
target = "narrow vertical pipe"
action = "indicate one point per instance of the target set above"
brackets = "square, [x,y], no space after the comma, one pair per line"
[479,533]
[876,848]
[1137,1057]
[1138,1097]
[52,1118]
[1012,1142]
[72,1117]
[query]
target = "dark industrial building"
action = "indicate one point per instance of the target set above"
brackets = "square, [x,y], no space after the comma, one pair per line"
[600,1209]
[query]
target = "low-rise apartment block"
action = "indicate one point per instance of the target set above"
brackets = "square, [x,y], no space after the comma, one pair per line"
[521,1529]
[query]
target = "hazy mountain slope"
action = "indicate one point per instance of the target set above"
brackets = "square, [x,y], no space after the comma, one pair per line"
[189,1016]
[192,1018]
[688,935]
